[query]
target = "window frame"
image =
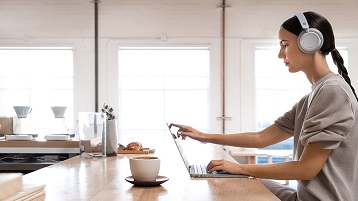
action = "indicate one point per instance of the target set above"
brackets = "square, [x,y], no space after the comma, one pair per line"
[111,96]
[38,119]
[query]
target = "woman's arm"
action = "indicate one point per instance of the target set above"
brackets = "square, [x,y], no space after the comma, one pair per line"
[266,137]
[306,168]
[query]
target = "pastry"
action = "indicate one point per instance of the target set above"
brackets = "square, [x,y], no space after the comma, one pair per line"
[134,146]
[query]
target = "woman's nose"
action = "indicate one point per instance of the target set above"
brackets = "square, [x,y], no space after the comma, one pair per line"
[281,55]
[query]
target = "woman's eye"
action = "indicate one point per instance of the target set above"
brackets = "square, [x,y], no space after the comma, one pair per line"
[283,44]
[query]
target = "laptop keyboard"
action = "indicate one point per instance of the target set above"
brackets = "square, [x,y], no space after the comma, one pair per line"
[198,169]
[201,169]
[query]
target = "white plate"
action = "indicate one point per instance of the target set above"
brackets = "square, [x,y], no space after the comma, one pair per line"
[20,137]
[57,137]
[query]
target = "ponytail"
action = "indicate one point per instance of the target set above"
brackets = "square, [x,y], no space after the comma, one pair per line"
[338,61]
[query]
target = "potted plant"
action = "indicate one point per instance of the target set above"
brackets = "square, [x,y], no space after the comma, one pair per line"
[111,130]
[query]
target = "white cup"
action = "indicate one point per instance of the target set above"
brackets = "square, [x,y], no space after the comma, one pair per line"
[144,168]
[22,111]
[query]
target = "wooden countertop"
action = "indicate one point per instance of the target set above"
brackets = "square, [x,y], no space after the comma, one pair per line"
[104,179]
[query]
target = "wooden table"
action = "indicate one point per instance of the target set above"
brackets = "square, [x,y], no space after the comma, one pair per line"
[104,179]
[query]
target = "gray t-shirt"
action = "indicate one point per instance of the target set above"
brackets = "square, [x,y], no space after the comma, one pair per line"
[327,116]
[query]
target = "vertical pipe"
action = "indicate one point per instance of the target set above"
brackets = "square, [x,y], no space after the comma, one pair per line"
[223,68]
[96,53]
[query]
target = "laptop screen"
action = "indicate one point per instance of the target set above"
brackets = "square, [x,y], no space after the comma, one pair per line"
[180,149]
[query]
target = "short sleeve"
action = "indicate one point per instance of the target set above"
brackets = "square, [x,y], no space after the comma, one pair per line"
[288,120]
[329,118]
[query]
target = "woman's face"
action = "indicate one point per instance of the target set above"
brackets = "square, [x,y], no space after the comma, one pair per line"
[292,56]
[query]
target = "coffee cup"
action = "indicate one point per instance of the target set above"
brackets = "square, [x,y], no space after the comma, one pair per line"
[22,111]
[144,168]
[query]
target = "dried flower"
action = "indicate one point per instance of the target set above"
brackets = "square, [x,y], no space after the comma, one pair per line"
[109,112]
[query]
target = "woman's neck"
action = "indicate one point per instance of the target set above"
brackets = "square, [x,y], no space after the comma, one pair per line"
[318,70]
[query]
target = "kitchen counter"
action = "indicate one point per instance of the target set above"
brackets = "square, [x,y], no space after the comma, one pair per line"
[104,179]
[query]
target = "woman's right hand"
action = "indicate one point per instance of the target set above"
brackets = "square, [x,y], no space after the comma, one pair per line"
[187,131]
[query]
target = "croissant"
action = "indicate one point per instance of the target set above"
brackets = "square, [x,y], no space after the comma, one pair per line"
[135,146]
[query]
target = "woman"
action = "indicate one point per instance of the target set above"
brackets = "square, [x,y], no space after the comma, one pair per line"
[323,123]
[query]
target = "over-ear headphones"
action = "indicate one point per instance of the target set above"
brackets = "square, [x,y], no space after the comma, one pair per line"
[310,40]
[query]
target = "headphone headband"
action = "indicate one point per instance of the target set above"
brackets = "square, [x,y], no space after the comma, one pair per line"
[303,20]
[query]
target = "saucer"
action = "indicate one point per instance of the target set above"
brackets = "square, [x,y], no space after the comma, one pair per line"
[159,180]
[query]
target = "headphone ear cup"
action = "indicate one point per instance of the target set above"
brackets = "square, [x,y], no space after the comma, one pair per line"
[310,40]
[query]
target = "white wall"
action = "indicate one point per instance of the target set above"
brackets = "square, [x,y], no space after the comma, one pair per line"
[71,22]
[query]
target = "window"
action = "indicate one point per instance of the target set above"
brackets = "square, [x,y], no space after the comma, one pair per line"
[158,85]
[36,77]
[277,90]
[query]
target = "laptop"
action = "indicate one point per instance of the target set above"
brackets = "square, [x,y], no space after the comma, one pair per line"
[200,170]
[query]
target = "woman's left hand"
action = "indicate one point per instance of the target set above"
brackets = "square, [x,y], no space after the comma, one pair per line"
[224,165]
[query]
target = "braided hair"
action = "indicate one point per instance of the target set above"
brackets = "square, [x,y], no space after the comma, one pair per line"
[321,23]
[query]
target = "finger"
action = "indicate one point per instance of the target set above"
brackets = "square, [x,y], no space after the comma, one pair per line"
[213,163]
[215,168]
[183,127]
[175,125]
[181,134]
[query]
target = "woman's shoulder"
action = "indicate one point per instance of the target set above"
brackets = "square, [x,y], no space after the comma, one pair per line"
[335,80]
[333,85]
